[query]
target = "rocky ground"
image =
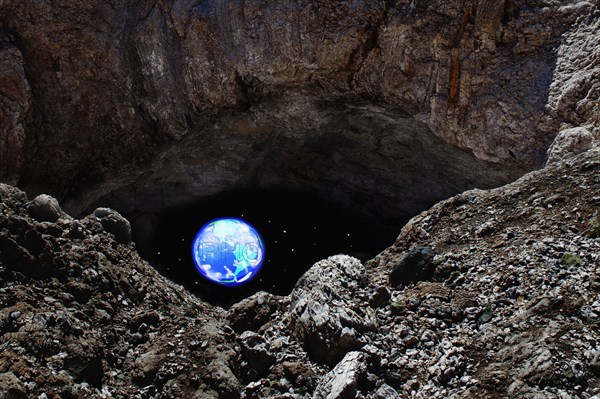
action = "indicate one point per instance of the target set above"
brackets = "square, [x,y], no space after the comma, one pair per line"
[83,316]
[490,294]
[384,105]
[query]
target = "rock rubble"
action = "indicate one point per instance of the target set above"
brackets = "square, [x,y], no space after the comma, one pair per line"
[511,310]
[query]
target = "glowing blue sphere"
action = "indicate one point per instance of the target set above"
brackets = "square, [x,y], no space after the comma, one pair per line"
[228,251]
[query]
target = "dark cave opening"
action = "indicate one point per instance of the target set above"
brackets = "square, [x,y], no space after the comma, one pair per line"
[299,228]
[300,160]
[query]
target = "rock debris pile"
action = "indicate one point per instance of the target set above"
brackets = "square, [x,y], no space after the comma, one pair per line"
[502,300]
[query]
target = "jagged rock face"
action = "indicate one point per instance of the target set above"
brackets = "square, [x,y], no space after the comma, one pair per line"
[520,277]
[80,311]
[350,153]
[575,91]
[317,320]
[511,310]
[177,99]
[15,103]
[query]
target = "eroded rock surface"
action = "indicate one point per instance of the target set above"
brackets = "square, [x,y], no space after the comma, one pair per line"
[324,316]
[15,104]
[512,309]
[83,316]
[376,104]
[150,104]
[515,287]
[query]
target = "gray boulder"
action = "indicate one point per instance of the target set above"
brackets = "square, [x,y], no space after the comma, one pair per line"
[386,392]
[45,208]
[569,143]
[253,312]
[345,379]
[416,266]
[324,314]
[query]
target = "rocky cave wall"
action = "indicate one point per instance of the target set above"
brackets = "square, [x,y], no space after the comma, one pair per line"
[146,104]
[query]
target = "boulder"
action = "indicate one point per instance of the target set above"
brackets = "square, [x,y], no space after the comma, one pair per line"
[569,143]
[256,350]
[147,365]
[324,315]
[381,297]
[416,266]
[44,208]
[114,223]
[386,392]
[346,378]
[11,387]
[253,312]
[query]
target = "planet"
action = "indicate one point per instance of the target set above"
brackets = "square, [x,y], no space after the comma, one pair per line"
[228,251]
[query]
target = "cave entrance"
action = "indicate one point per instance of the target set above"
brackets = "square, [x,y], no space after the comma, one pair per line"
[298,228]
[343,164]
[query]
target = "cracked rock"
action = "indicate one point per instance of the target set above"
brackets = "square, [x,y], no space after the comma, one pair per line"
[345,379]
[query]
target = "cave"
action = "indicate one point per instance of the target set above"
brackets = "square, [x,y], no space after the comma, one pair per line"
[347,165]
[344,105]
[423,174]
[359,165]
[356,130]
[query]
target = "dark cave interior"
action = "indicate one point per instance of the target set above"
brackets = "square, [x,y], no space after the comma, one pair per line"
[299,228]
[354,169]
